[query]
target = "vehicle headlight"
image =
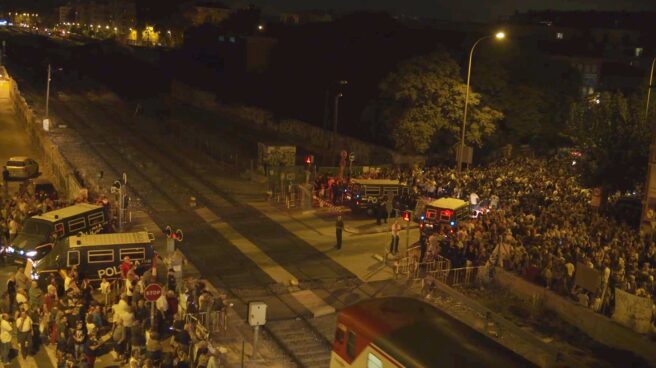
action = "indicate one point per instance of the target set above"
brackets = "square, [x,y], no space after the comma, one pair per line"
[31,253]
[10,250]
[21,252]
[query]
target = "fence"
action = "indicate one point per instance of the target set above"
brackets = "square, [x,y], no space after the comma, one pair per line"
[410,266]
[207,323]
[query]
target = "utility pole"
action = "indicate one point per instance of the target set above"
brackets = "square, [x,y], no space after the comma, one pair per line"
[48,90]
[335,120]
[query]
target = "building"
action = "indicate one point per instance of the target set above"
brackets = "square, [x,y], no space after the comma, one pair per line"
[251,54]
[610,49]
[119,14]
[208,13]
[299,18]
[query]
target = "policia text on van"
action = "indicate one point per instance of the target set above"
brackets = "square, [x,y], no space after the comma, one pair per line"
[40,232]
[98,256]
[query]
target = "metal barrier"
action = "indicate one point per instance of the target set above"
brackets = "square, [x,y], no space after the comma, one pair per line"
[464,276]
[209,322]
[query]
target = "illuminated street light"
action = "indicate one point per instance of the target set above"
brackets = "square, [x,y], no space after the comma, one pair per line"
[260,27]
[498,36]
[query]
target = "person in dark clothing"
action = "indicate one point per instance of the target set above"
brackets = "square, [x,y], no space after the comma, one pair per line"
[11,290]
[339,227]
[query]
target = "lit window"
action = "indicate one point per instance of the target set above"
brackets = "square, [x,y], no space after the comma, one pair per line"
[374,362]
[560,35]
[639,51]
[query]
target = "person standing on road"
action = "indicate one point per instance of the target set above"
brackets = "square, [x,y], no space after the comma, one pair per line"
[24,326]
[396,230]
[5,338]
[339,227]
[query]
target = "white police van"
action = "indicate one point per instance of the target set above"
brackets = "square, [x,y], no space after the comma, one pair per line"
[39,233]
[97,256]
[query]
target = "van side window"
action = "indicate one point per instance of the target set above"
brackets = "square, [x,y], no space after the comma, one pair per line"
[135,254]
[96,218]
[73,258]
[76,225]
[100,256]
[350,344]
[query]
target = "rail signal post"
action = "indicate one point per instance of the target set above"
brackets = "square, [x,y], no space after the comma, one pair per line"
[172,237]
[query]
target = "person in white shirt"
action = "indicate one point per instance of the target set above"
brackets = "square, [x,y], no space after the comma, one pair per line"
[5,338]
[24,329]
[21,297]
[473,199]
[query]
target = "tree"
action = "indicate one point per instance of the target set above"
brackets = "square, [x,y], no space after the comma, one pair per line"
[614,138]
[427,97]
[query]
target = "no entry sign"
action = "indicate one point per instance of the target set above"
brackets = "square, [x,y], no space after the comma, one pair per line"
[152,292]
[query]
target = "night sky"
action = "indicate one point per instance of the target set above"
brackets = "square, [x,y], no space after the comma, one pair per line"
[475,10]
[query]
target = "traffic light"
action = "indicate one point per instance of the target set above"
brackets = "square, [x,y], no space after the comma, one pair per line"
[309,160]
[406,216]
[168,231]
[177,235]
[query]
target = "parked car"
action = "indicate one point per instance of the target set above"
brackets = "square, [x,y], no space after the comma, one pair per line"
[44,188]
[21,167]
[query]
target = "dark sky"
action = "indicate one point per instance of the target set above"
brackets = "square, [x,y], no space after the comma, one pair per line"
[475,10]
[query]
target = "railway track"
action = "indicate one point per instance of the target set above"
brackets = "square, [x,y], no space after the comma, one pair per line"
[122,148]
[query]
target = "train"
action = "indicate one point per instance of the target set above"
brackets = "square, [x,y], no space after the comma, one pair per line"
[407,332]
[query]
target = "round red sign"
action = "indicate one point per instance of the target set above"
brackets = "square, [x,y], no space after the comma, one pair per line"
[152,292]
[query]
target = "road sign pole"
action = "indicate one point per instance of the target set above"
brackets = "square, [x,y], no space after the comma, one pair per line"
[152,314]
[407,233]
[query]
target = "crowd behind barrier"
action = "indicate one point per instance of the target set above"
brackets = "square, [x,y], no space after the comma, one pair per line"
[541,226]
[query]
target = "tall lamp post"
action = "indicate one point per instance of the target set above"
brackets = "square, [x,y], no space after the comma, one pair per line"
[327,103]
[48,90]
[498,36]
[335,120]
[649,87]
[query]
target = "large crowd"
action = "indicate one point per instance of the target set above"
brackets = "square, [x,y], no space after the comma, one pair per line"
[542,226]
[82,320]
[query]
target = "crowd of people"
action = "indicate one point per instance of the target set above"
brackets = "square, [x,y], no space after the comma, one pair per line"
[542,226]
[82,321]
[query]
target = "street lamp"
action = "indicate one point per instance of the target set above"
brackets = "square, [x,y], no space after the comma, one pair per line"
[48,88]
[327,103]
[498,36]
[649,87]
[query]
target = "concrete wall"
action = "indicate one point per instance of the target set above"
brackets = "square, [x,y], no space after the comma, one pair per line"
[62,170]
[304,135]
[595,325]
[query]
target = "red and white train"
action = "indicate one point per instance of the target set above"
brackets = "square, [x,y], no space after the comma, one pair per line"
[406,332]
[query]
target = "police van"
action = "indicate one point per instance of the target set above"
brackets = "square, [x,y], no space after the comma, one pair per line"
[39,233]
[363,194]
[97,256]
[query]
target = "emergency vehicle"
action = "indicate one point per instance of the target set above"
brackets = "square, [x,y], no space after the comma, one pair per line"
[447,211]
[363,194]
[98,255]
[406,332]
[39,233]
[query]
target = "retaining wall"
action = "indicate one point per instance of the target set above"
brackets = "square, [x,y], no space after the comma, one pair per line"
[597,326]
[52,159]
[311,138]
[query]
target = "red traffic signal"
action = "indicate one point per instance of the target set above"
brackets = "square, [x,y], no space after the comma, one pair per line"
[177,235]
[309,159]
[406,216]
